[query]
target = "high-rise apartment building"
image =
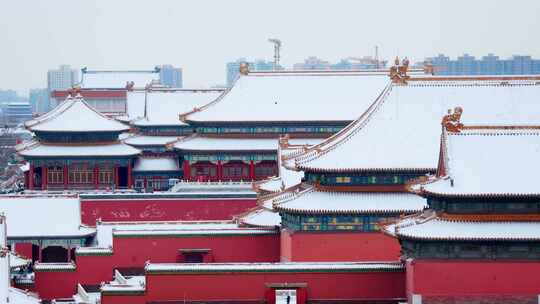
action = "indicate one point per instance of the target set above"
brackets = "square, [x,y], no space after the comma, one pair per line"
[170,76]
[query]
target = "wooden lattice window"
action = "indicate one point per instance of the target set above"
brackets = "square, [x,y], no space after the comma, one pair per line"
[55,175]
[106,175]
[80,174]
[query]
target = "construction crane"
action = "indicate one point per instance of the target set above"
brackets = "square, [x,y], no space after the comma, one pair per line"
[277,48]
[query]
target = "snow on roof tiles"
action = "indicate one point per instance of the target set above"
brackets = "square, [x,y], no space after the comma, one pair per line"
[401,131]
[36,148]
[295,96]
[479,162]
[440,229]
[163,107]
[74,115]
[117,79]
[33,217]
[262,217]
[311,200]
[156,164]
[105,229]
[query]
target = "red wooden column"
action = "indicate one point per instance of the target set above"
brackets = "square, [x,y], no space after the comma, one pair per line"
[44,177]
[31,177]
[251,170]
[116,177]
[129,177]
[66,177]
[96,176]
[40,256]
[219,170]
[68,254]
[187,170]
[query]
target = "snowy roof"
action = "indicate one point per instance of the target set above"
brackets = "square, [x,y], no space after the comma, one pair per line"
[261,216]
[295,96]
[74,115]
[163,107]
[68,266]
[319,202]
[156,164]
[46,217]
[478,162]
[441,229]
[273,267]
[402,129]
[19,296]
[36,148]
[105,229]
[202,143]
[144,140]
[117,79]
[125,284]
[213,187]
[287,177]
[16,260]
[194,232]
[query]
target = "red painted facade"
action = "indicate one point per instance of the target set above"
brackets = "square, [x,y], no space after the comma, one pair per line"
[56,284]
[93,94]
[120,210]
[467,281]
[359,287]
[338,246]
[133,252]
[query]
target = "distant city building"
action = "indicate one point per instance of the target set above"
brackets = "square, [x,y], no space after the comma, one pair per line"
[233,68]
[39,100]
[61,79]
[170,76]
[17,112]
[351,63]
[313,63]
[488,65]
[8,95]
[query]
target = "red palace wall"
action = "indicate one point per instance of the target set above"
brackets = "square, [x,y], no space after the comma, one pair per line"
[252,287]
[133,252]
[118,210]
[474,281]
[56,284]
[338,246]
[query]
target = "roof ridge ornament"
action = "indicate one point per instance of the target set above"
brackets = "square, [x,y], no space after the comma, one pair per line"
[398,72]
[244,68]
[452,121]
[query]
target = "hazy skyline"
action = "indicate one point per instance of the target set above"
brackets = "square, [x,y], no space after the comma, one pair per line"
[201,36]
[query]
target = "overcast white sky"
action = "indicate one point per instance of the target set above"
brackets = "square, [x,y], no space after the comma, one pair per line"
[202,35]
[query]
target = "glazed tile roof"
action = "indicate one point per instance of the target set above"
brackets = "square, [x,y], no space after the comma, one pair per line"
[401,130]
[479,162]
[295,96]
[261,217]
[313,201]
[74,115]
